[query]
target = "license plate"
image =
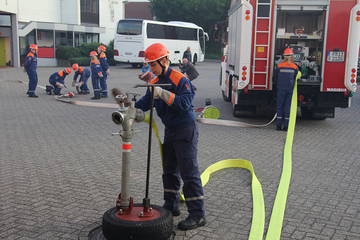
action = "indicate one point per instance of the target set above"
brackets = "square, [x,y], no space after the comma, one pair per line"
[128,53]
[336,56]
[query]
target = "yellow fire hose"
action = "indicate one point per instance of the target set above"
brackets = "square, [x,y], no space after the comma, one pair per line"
[258,220]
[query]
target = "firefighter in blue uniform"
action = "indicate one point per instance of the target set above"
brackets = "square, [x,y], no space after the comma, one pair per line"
[58,80]
[30,68]
[286,73]
[84,76]
[96,74]
[174,106]
[105,71]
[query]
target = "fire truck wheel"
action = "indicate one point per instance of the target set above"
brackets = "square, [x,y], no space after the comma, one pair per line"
[154,229]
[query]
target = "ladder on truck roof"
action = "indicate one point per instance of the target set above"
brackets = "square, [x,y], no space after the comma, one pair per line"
[261,64]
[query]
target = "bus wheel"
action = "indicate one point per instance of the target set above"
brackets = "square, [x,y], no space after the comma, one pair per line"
[157,227]
[195,59]
[135,65]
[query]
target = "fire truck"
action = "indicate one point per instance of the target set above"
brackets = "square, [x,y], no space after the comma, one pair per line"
[324,36]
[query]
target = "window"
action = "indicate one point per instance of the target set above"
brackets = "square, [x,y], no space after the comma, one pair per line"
[5,20]
[170,32]
[92,37]
[45,38]
[129,27]
[63,38]
[89,12]
[79,39]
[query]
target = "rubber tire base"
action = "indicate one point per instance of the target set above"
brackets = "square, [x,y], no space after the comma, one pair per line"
[160,228]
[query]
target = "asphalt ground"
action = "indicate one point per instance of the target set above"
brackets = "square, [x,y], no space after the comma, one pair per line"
[61,167]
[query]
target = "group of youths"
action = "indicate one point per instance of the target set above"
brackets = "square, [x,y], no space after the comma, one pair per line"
[99,69]
[174,105]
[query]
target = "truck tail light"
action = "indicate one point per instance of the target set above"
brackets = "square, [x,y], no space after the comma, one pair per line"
[116,52]
[346,94]
[247,12]
[301,98]
[142,54]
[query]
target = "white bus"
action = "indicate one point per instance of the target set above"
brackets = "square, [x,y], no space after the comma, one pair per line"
[133,36]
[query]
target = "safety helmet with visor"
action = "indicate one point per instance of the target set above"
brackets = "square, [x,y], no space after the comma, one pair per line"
[67,70]
[288,52]
[155,52]
[33,46]
[75,67]
[102,48]
[93,53]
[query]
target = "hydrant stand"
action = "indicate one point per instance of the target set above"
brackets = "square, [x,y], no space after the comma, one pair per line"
[129,221]
[146,200]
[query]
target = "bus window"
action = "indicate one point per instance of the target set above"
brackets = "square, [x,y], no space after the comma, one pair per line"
[202,40]
[129,27]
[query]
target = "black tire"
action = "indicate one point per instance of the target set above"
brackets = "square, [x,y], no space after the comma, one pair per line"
[135,65]
[159,228]
[195,59]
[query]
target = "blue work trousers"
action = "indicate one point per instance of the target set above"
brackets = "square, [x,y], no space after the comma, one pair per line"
[95,83]
[283,100]
[57,90]
[103,85]
[180,160]
[33,80]
[84,87]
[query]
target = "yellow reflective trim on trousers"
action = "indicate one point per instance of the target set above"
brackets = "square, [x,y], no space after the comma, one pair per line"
[258,219]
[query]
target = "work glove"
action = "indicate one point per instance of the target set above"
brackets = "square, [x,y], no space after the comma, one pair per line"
[100,75]
[74,83]
[108,72]
[60,85]
[79,84]
[165,95]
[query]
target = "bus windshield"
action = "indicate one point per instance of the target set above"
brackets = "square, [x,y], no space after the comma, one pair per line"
[130,27]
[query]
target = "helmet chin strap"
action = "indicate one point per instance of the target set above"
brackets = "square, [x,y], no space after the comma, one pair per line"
[162,66]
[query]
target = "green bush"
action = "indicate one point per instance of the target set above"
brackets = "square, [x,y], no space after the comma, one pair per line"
[82,61]
[87,48]
[110,50]
[66,52]
[111,61]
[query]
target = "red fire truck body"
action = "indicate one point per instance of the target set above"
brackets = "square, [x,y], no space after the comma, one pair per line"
[324,35]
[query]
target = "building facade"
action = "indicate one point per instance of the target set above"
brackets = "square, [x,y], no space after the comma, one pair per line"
[53,23]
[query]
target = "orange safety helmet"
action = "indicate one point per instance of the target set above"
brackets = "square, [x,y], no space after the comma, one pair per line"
[75,67]
[93,53]
[155,52]
[67,70]
[102,48]
[288,52]
[33,46]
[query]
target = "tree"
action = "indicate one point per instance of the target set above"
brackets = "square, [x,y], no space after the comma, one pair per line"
[204,13]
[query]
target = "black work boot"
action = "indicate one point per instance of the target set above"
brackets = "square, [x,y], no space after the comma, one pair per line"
[285,129]
[278,128]
[191,223]
[95,98]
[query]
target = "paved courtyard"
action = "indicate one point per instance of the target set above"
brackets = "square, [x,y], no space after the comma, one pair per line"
[60,167]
